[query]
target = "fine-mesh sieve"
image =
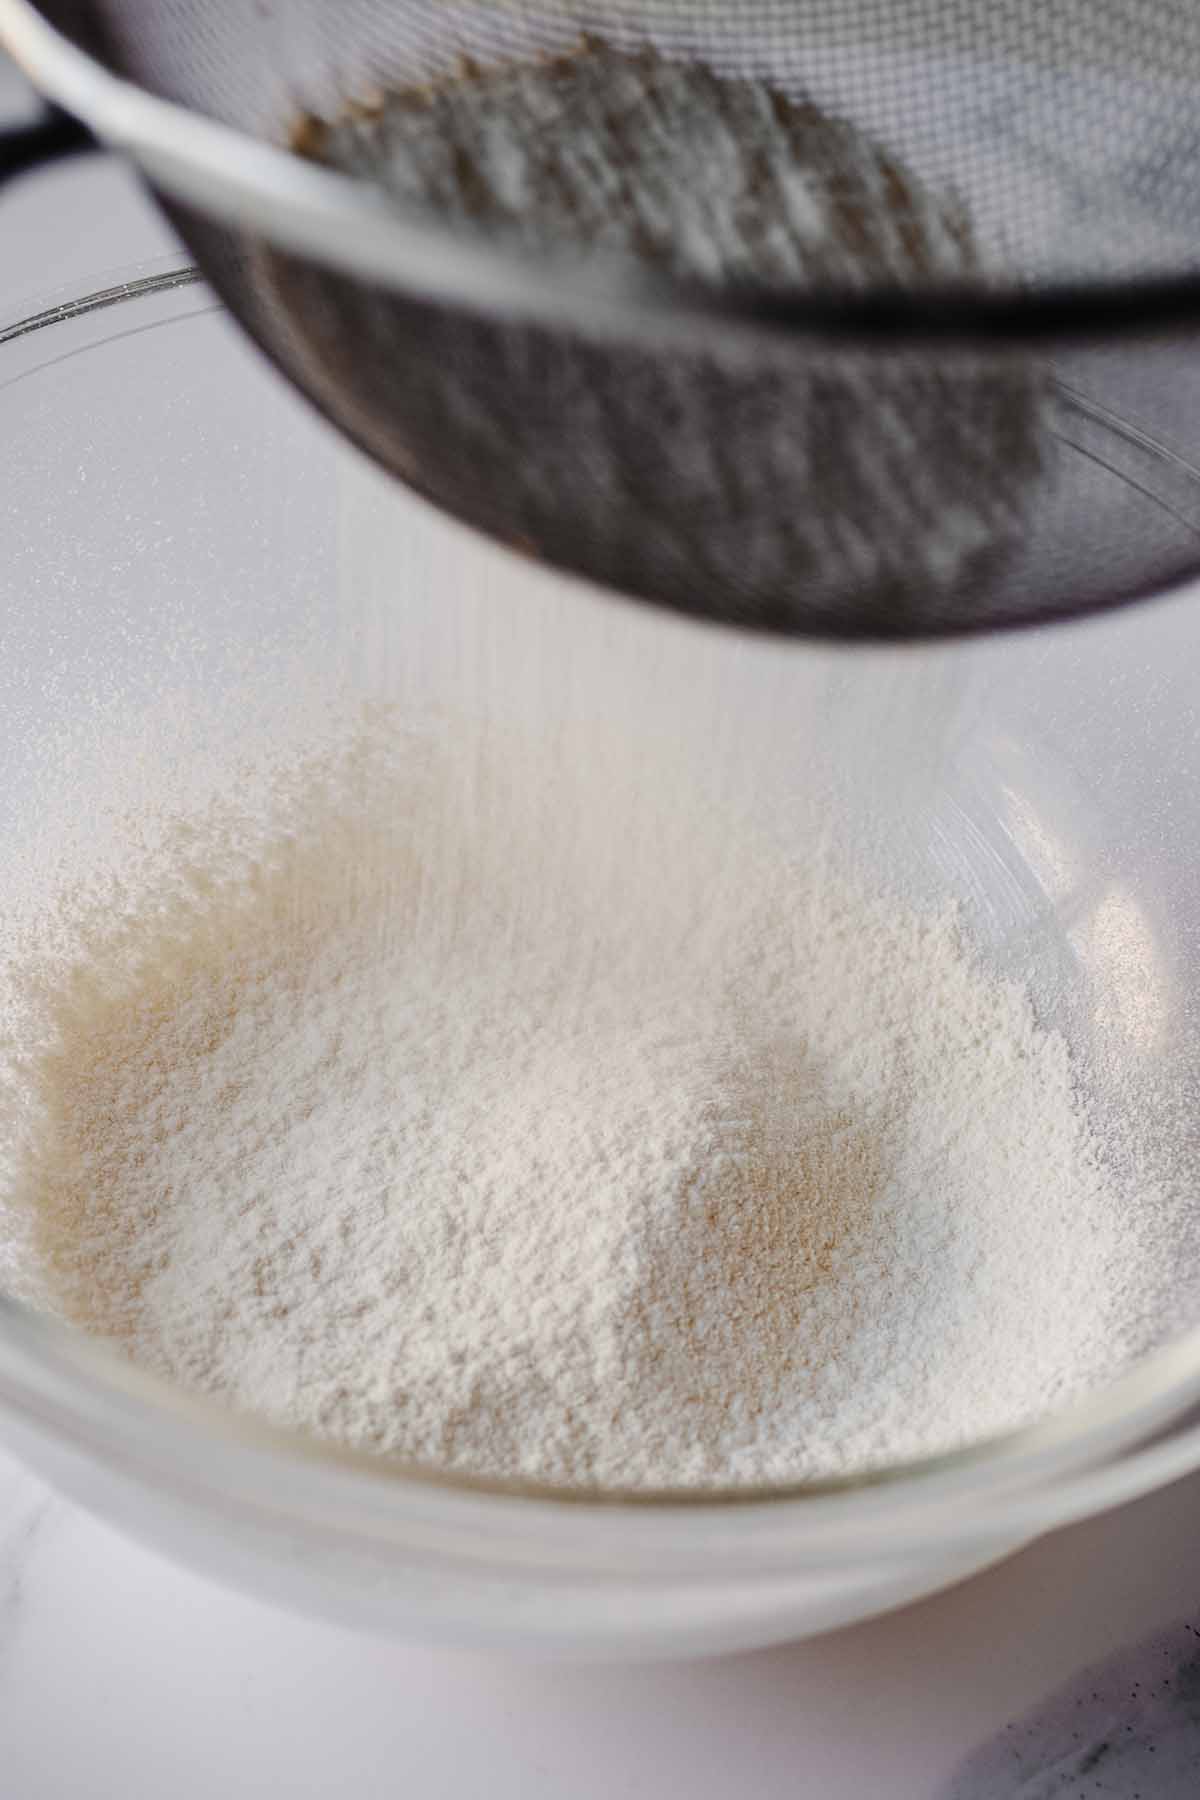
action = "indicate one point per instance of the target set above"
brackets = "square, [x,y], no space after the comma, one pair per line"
[926,447]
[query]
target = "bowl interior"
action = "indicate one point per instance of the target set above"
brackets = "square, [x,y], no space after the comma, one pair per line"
[188,546]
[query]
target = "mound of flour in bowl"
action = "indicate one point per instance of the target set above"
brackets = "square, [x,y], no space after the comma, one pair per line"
[395,1101]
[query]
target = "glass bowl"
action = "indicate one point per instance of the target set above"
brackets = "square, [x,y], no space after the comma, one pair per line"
[173,516]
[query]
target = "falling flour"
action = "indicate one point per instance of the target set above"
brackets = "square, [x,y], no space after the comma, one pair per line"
[392,1100]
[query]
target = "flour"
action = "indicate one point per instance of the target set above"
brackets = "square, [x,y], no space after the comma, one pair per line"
[712,177]
[409,1100]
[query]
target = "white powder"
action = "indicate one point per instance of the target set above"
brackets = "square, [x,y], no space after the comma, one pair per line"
[419,1099]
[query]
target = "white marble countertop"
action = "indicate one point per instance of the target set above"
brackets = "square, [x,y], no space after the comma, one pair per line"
[121,1675]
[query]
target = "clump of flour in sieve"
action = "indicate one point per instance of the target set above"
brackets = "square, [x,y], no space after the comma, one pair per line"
[789,487]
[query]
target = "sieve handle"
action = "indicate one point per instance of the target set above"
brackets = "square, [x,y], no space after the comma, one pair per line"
[44,140]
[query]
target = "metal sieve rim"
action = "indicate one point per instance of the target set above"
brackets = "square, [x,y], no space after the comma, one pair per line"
[342,222]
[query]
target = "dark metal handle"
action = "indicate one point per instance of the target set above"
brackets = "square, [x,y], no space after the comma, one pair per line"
[43,140]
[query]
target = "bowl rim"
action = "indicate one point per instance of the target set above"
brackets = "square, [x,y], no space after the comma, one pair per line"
[342,222]
[1107,1446]
[1064,1467]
